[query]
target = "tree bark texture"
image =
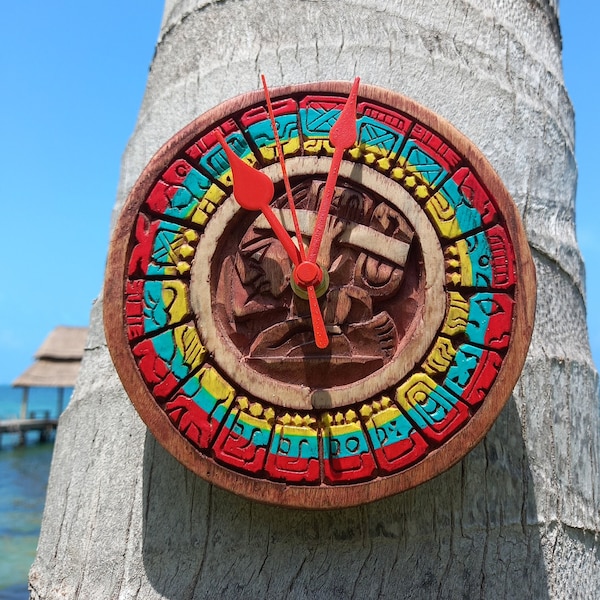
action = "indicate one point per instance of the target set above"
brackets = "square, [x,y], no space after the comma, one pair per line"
[519,517]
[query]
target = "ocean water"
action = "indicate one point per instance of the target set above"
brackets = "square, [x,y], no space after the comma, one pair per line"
[23,481]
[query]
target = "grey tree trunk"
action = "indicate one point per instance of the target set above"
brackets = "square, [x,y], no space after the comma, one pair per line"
[519,516]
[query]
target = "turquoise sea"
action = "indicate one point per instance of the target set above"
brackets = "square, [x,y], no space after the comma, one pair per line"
[23,481]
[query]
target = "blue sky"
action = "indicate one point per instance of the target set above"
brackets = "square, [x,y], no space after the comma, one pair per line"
[73,77]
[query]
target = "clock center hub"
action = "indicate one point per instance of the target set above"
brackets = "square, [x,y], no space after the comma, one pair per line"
[308,273]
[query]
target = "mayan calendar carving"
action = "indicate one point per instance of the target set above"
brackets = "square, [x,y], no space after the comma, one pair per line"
[324,315]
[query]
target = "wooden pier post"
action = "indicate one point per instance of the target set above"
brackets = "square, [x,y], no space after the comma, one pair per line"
[24,402]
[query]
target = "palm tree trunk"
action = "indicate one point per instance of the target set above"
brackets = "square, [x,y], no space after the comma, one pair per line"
[519,517]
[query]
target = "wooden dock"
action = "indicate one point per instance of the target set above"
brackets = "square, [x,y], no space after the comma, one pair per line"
[57,363]
[45,425]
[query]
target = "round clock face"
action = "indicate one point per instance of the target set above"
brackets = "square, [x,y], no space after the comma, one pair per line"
[426,296]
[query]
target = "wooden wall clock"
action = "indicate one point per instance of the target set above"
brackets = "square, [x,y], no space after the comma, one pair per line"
[326,324]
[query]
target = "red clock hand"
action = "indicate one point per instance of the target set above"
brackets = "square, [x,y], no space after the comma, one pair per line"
[253,190]
[321,338]
[342,136]
[286,180]
[306,273]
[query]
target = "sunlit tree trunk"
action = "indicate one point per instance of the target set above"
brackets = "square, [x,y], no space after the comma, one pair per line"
[519,516]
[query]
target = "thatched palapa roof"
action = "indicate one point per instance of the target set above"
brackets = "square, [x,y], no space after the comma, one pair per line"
[57,360]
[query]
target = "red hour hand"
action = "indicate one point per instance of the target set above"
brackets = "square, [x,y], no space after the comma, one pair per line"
[342,137]
[253,190]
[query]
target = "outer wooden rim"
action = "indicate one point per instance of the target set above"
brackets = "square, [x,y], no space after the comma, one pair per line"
[319,497]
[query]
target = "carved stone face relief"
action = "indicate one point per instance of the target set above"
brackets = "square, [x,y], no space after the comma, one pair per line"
[368,305]
[424,288]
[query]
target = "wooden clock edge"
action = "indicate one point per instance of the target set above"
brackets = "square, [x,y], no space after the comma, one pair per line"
[322,496]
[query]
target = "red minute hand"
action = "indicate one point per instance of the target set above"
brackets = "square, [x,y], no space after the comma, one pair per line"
[342,136]
[319,329]
[253,190]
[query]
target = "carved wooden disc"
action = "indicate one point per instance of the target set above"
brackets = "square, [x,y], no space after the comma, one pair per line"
[429,305]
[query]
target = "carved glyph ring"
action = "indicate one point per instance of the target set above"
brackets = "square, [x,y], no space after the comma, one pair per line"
[423,363]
